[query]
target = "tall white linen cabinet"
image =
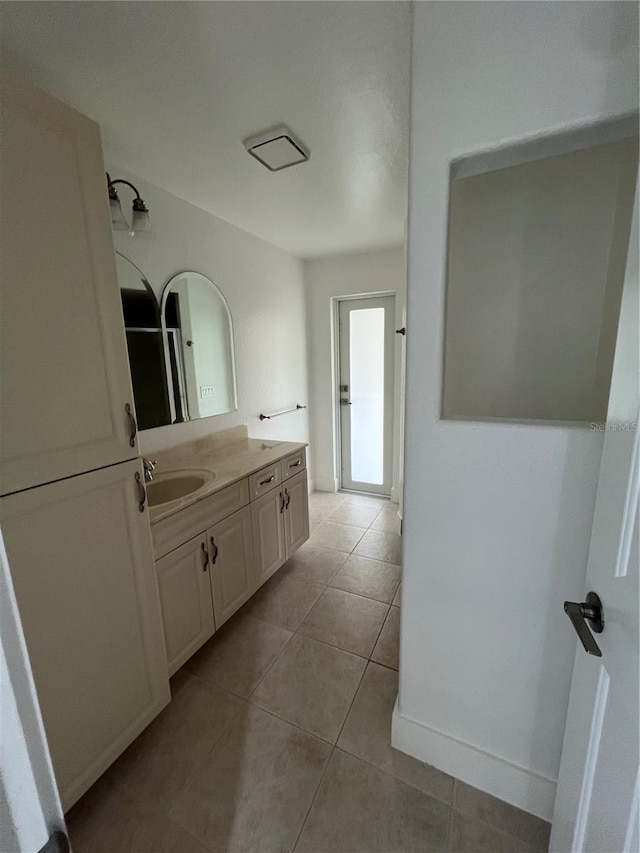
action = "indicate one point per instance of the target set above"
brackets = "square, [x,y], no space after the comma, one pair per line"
[72,508]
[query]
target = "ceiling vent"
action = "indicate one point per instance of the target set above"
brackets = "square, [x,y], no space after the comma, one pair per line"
[277,149]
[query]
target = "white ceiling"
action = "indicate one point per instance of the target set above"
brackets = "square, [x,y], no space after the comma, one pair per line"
[177,86]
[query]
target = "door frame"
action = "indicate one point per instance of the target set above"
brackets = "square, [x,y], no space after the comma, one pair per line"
[335,378]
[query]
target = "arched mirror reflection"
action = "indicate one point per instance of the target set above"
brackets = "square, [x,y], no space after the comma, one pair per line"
[198,338]
[145,346]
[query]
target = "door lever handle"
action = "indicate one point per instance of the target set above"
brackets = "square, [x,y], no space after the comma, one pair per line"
[589,611]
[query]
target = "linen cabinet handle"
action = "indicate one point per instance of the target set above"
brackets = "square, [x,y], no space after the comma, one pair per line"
[133,426]
[281,503]
[214,553]
[286,491]
[205,553]
[142,491]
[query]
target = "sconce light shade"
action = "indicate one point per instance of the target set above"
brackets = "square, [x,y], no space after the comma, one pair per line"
[118,222]
[140,222]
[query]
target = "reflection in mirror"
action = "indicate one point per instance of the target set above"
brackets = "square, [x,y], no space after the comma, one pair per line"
[144,345]
[199,344]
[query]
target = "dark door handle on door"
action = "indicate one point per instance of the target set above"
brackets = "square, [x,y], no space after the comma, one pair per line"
[345,402]
[589,611]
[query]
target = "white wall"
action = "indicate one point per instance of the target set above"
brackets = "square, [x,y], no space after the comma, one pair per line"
[265,291]
[497,517]
[528,273]
[326,279]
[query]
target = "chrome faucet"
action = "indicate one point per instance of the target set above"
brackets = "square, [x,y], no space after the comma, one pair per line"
[149,468]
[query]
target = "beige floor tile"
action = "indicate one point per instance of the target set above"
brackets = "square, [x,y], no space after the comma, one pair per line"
[360,809]
[347,621]
[387,520]
[381,546]
[366,500]
[314,563]
[311,685]
[160,760]
[253,791]
[371,578]
[341,537]
[386,651]
[396,597]
[238,655]
[471,836]
[367,735]
[109,820]
[325,501]
[355,514]
[284,600]
[506,818]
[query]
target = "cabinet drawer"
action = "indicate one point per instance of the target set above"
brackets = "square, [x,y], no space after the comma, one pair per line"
[264,480]
[191,521]
[292,465]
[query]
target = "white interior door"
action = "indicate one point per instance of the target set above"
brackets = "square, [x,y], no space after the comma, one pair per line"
[596,806]
[366,342]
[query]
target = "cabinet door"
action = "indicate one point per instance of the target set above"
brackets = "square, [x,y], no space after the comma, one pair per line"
[65,374]
[268,534]
[296,513]
[185,600]
[233,578]
[81,562]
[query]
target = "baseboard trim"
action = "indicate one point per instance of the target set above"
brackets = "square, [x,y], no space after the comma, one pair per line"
[329,485]
[509,782]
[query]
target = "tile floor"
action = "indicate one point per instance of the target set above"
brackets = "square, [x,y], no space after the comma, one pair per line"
[278,737]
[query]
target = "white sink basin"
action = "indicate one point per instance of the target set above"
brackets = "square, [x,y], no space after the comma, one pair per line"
[173,485]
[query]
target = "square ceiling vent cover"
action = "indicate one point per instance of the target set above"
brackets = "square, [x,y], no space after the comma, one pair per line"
[277,149]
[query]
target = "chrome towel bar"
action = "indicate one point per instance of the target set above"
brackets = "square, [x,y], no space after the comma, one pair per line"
[283,412]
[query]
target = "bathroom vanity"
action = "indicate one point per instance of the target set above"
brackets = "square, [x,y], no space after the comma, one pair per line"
[243,513]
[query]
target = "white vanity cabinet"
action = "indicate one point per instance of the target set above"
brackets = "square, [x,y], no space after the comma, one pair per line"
[185,600]
[213,555]
[81,564]
[233,577]
[281,518]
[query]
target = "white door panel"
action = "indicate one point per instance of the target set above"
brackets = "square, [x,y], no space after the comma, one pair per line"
[596,806]
[366,346]
[65,375]
[233,576]
[185,600]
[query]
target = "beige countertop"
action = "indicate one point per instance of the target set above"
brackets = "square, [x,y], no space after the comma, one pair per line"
[228,456]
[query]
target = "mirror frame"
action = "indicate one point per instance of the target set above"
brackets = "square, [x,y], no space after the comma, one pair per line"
[165,297]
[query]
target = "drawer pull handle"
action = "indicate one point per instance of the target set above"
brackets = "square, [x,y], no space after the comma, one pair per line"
[205,553]
[296,464]
[268,480]
[142,491]
[133,425]
[214,553]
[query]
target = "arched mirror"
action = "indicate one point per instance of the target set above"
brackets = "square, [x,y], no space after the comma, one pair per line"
[198,338]
[145,346]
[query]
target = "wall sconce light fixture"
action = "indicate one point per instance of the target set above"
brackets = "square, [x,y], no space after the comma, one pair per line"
[140,224]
